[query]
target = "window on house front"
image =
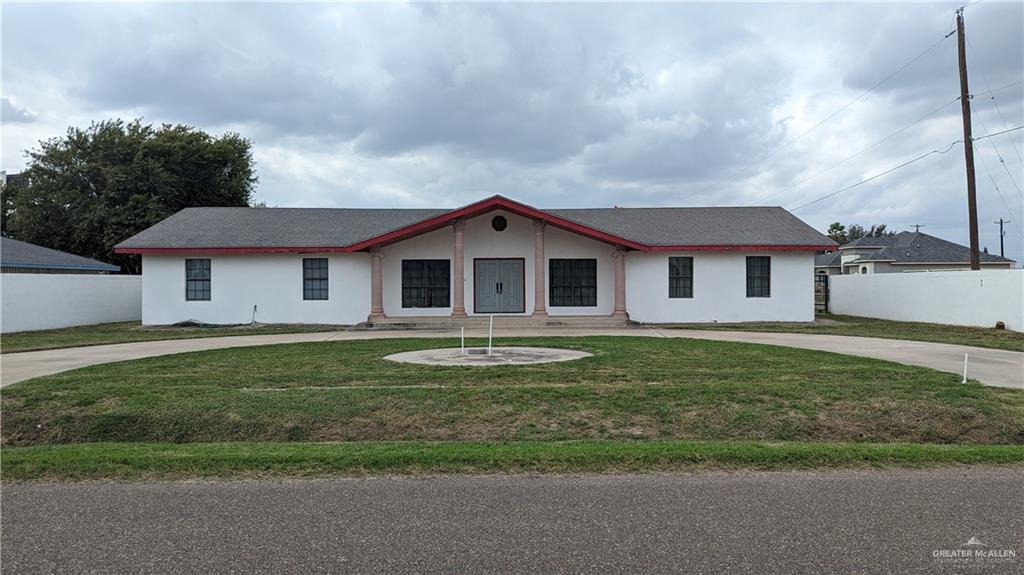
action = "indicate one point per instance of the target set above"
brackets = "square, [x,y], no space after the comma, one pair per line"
[314,278]
[572,283]
[680,277]
[759,276]
[197,280]
[426,283]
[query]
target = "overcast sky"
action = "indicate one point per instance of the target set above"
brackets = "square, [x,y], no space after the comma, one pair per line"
[569,105]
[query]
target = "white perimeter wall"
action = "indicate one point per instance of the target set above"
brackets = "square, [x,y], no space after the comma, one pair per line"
[47,301]
[974,298]
[720,288]
[271,282]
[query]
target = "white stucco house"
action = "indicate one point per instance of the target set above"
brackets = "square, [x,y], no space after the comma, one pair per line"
[495,256]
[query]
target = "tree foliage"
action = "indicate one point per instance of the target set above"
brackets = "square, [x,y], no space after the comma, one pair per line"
[85,192]
[843,235]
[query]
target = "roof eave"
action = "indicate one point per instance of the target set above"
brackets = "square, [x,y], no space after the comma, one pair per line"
[228,250]
[98,268]
[742,248]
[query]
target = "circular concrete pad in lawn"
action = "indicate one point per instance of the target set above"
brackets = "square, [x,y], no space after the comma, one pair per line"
[479,356]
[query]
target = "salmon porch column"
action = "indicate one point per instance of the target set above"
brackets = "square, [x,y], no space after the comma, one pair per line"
[376,284]
[459,270]
[538,268]
[619,310]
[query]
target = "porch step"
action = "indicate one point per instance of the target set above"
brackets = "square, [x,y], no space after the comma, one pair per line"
[500,322]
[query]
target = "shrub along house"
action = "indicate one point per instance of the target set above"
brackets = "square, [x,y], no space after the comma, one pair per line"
[495,256]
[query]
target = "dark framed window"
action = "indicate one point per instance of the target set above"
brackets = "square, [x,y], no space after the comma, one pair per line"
[314,278]
[197,280]
[572,283]
[759,276]
[680,276]
[426,283]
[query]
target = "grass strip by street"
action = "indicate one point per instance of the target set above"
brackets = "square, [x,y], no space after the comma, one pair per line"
[133,331]
[883,328]
[125,461]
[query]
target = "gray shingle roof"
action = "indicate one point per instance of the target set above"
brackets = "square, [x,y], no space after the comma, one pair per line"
[14,253]
[829,260]
[340,227]
[700,226]
[917,247]
[273,227]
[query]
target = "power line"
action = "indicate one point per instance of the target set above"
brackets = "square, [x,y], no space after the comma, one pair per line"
[1014,129]
[995,185]
[998,155]
[827,118]
[846,159]
[984,78]
[876,176]
[1001,88]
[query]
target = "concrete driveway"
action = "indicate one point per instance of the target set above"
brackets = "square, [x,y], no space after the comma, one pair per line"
[897,521]
[989,366]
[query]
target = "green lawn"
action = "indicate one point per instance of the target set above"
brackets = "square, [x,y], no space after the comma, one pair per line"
[870,327]
[634,390]
[189,460]
[129,331]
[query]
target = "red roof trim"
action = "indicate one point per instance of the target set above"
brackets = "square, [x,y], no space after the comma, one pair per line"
[488,205]
[742,248]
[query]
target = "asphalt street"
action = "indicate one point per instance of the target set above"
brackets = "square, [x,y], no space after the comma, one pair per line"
[893,521]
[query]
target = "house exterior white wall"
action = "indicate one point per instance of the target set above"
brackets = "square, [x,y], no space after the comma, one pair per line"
[972,298]
[720,288]
[271,282]
[48,301]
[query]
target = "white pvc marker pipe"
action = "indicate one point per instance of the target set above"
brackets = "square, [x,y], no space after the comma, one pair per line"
[462,346]
[964,380]
[490,335]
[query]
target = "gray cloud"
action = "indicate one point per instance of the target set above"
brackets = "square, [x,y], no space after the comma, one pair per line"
[13,114]
[557,105]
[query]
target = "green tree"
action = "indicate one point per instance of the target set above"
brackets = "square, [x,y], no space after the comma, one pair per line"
[843,235]
[837,232]
[93,188]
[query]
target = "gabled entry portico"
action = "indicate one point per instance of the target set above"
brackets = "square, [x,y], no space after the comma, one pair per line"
[502,256]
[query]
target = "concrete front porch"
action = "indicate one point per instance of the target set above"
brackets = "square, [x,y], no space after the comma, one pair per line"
[480,322]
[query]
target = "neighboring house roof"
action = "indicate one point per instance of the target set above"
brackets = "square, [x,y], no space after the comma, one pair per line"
[829,260]
[349,229]
[917,248]
[18,254]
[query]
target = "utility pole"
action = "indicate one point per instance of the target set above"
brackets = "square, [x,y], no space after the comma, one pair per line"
[917,227]
[965,110]
[1002,234]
